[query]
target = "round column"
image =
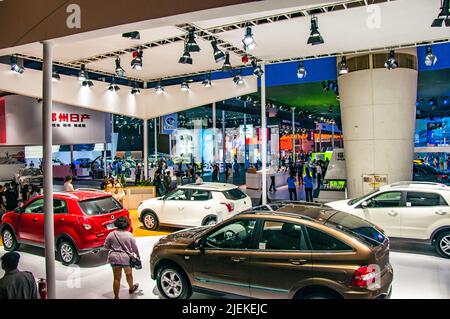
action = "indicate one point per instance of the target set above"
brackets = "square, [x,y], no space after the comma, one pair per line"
[378,110]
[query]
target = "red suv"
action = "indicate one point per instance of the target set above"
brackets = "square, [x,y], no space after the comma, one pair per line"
[83,219]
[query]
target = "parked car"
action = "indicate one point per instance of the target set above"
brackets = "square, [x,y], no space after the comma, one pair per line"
[297,251]
[83,219]
[413,210]
[427,173]
[194,205]
[30,176]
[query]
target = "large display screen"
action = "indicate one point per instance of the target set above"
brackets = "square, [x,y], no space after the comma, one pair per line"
[432,132]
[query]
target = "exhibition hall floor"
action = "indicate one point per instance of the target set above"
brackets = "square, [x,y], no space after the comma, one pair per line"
[419,274]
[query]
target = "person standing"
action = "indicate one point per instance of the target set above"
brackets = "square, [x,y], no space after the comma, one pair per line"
[199,178]
[121,245]
[300,170]
[319,174]
[16,284]
[35,192]
[68,186]
[308,183]
[25,191]
[229,174]
[292,187]
[137,173]
[73,169]
[11,197]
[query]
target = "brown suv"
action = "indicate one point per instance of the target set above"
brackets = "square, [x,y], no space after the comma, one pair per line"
[290,251]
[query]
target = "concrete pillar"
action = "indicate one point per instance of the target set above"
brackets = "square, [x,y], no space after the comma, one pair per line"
[155,123]
[378,109]
[214,122]
[145,148]
[263,136]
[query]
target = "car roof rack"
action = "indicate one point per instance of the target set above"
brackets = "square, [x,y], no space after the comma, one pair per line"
[413,183]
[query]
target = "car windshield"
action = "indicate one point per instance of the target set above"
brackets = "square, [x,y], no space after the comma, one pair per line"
[31,172]
[234,194]
[99,206]
[357,227]
[355,200]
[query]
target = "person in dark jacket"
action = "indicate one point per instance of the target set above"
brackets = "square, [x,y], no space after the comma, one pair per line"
[12,197]
[16,284]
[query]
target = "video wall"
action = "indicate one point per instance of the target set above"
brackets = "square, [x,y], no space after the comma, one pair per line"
[432,132]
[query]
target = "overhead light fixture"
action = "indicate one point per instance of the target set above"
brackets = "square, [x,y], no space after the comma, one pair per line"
[430,58]
[445,100]
[248,42]
[119,70]
[113,87]
[207,81]
[343,67]
[444,15]
[186,57]
[219,56]
[132,35]
[135,90]
[82,74]
[238,79]
[191,45]
[301,71]
[55,76]
[257,70]
[136,63]
[391,63]
[315,37]
[159,88]
[227,65]
[184,86]
[87,82]
[15,67]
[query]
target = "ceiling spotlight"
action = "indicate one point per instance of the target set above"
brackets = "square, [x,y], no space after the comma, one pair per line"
[159,88]
[227,65]
[135,90]
[218,54]
[207,81]
[184,86]
[132,35]
[391,62]
[119,70]
[15,67]
[301,71]
[238,79]
[248,42]
[444,15]
[191,45]
[136,63]
[257,70]
[445,100]
[113,87]
[55,76]
[186,57]
[87,82]
[315,37]
[82,74]
[343,67]
[430,58]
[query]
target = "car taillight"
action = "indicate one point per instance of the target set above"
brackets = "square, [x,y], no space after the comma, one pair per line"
[230,206]
[364,277]
[86,223]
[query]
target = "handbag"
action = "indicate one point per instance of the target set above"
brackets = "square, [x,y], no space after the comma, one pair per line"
[134,261]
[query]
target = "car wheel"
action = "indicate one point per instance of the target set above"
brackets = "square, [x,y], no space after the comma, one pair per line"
[150,221]
[210,221]
[67,253]
[9,240]
[173,283]
[442,244]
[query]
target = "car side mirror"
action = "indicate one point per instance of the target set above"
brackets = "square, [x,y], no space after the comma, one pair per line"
[364,204]
[18,210]
[199,244]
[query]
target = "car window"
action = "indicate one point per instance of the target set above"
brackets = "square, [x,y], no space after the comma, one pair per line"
[418,199]
[234,194]
[383,200]
[35,207]
[200,195]
[59,206]
[235,235]
[324,242]
[99,206]
[178,194]
[282,236]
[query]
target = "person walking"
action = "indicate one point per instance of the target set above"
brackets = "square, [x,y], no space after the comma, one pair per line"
[68,186]
[308,184]
[292,187]
[121,246]
[16,284]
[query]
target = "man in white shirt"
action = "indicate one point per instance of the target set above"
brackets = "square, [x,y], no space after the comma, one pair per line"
[68,186]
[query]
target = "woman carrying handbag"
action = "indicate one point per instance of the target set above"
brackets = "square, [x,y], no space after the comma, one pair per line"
[123,254]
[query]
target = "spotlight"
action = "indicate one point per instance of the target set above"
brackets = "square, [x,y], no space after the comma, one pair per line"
[207,81]
[301,71]
[132,35]
[184,86]
[443,15]
[315,37]
[135,90]
[186,57]
[136,63]
[159,88]
[191,45]
[82,74]
[55,76]
[113,87]
[119,70]
[248,42]
[87,83]
[343,67]
[257,70]
[430,58]
[445,100]
[227,65]
[15,67]
[238,79]
[391,62]
[218,54]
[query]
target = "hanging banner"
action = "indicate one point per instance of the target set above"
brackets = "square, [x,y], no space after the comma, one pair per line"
[169,123]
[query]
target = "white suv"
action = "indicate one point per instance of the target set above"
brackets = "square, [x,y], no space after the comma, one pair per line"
[194,205]
[413,210]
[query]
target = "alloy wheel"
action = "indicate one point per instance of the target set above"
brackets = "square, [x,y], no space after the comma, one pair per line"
[444,245]
[149,221]
[66,252]
[171,284]
[210,222]
[8,239]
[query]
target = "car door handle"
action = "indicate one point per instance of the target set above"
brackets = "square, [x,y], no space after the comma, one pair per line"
[298,262]
[392,213]
[440,212]
[238,259]
[61,220]
[207,207]
[35,219]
